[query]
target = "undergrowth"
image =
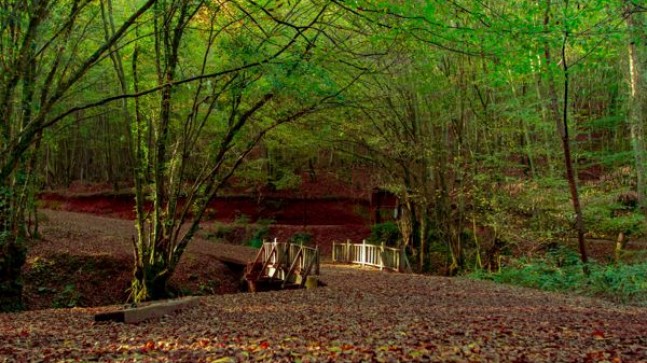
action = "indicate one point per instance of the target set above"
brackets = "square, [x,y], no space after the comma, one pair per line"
[561,270]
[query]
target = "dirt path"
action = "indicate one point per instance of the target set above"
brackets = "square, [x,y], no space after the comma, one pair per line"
[90,234]
[86,260]
[363,315]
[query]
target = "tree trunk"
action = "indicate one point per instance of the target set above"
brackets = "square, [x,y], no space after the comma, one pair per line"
[150,281]
[562,129]
[636,105]
[12,255]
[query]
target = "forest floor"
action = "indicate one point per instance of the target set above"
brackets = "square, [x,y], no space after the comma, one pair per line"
[86,260]
[362,314]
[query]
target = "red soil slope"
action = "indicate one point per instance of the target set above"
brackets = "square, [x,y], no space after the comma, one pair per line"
[281,210]
[325,208]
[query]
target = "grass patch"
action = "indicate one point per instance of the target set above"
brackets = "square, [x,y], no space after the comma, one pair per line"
[561,270]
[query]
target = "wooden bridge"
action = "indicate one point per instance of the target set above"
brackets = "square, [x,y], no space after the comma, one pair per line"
[282,265]
[370,255]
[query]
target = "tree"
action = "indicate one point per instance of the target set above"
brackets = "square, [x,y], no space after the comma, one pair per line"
[45,54]
[637,99]
[277,69]
[509,93]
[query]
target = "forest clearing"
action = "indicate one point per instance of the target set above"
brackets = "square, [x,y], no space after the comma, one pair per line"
[361,315]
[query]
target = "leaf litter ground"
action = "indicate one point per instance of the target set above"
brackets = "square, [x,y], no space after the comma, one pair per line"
[363,315]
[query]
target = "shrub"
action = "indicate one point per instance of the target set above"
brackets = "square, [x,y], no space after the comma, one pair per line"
[607,216]
[303,238]
[258,234]
[625,283]
[561,270]
[68,298]
[222,232]
[241,231]
[242,218]
[387,232]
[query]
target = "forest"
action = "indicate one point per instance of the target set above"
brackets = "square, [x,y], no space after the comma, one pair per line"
[483,139]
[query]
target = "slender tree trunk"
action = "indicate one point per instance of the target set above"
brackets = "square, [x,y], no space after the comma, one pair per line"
[562,128]
[155,263]
[568,161]
[637,104]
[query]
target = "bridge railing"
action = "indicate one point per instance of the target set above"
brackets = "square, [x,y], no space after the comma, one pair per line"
[289,262]
[366,254]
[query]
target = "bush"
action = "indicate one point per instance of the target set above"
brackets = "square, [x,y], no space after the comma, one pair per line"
[387,233]
[303,238]
[241,231]
[561,270]
[68,298]
[258,234]
[626,283]
[631,225]
[222,232]
[606,216]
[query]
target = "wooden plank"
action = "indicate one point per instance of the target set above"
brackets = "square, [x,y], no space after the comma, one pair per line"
[147,311]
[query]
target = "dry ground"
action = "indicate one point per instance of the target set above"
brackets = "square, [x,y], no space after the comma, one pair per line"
[92,257]
[362,315]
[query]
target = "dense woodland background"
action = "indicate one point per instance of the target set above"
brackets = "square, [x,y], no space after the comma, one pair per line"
[501,126]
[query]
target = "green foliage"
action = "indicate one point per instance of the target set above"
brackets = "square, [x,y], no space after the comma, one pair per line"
[257,237]
[242,218]
[606,216]
[40,265]
[631,225]
[68,298]
[387,233]
[542,211]
[287,181]
[241,231]
[538,209]
[210,287]
[561,270]
[258,232]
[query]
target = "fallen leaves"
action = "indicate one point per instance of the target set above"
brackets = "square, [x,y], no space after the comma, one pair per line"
[598,334]
[417,319]
[363,315]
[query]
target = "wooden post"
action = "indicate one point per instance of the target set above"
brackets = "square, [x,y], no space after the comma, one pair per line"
[317,256]
[263,250]
[311,282]
[363,254]
[381,257]
[347,251]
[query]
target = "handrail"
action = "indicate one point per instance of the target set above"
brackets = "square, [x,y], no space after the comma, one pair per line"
[284,261]
[367,255]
